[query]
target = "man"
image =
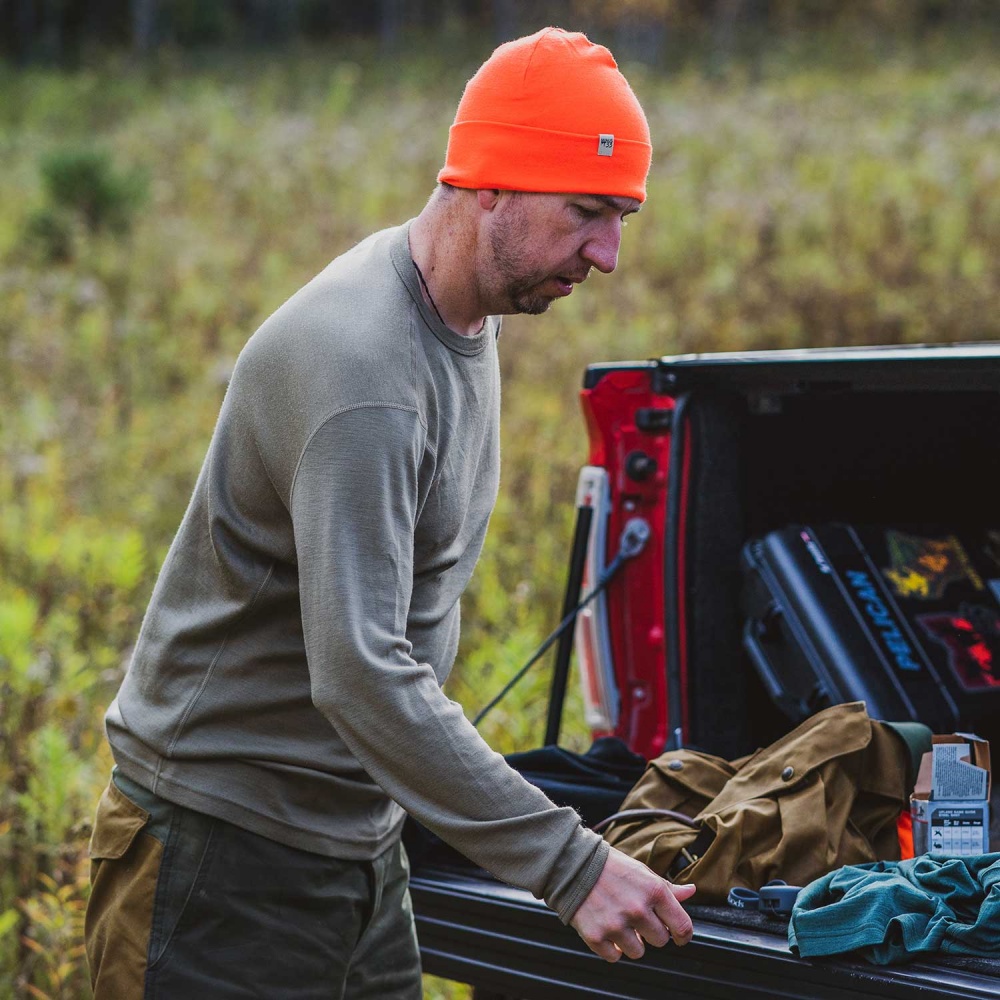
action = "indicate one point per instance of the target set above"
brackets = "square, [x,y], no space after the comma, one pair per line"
[284,702]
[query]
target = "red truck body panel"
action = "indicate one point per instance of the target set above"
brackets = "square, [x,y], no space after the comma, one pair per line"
[636,596]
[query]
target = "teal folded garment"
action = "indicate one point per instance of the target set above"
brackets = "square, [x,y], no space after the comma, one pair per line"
[891,912]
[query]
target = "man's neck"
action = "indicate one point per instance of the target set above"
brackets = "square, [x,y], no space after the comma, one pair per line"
[442,247]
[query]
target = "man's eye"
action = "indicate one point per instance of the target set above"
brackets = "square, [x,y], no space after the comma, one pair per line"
[587,213]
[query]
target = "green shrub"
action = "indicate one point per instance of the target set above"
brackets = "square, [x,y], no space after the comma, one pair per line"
[48,235]
[86,181]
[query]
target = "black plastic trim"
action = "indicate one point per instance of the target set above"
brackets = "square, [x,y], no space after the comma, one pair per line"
[676,490]
[654,421]
[830,370]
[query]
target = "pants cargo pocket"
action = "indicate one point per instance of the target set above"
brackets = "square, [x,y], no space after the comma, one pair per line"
[125,865]
[187,859]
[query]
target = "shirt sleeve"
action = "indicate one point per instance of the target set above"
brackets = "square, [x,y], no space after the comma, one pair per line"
[354,507]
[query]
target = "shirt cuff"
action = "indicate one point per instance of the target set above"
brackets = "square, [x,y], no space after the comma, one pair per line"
[569,901]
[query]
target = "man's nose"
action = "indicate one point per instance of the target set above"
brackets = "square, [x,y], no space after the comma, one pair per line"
[601,250]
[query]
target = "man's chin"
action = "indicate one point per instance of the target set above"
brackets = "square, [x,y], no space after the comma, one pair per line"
[534,306]
[532,302]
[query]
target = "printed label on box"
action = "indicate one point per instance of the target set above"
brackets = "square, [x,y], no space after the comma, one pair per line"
[958,831]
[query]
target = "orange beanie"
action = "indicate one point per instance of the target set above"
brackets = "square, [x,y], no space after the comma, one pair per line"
[550,112]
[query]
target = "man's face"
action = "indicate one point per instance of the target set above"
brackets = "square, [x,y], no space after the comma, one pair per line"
[544,244]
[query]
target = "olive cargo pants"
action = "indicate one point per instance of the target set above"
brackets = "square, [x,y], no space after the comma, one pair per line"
[187,906]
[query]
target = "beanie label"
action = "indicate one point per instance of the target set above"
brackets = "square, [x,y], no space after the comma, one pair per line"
[605,145]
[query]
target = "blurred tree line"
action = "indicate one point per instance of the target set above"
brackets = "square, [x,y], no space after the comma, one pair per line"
[60,32]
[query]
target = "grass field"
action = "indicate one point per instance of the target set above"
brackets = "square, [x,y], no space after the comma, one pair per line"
[151,218]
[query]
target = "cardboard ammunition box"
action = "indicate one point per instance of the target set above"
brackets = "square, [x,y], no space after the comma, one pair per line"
[950,802]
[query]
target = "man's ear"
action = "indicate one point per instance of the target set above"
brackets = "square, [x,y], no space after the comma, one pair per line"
[488,198]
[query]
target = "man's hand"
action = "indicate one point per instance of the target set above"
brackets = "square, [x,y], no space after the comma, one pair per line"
[629,905]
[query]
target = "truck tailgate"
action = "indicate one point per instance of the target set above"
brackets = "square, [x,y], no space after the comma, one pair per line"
[478,931]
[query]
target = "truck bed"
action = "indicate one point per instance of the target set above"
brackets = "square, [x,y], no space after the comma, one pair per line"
[475,930]
[712,451]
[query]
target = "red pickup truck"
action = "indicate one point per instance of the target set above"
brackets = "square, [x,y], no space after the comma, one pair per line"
[711,451]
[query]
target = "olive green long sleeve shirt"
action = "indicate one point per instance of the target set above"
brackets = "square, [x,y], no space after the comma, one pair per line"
[287,677]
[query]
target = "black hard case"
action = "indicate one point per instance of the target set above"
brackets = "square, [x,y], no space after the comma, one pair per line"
[906,619]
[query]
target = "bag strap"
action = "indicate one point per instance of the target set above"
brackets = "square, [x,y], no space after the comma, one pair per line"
[693,852]
[626,815]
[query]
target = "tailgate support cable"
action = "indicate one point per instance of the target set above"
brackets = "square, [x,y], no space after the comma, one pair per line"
[672,570]
[564,648]
[633,540]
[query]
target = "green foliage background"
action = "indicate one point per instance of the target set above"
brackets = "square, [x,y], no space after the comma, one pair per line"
[151,217]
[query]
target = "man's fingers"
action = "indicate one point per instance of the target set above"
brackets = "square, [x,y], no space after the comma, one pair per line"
[626,942]
[675,917]
[630,943]
[630,907]
[652,930]
[682,892]
[604,949]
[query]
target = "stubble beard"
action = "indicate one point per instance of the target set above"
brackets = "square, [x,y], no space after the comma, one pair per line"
[518,292]
[527,299]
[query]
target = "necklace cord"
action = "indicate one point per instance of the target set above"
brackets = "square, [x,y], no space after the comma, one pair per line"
[423,282]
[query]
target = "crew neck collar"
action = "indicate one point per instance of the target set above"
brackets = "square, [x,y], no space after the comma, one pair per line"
[399,252]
